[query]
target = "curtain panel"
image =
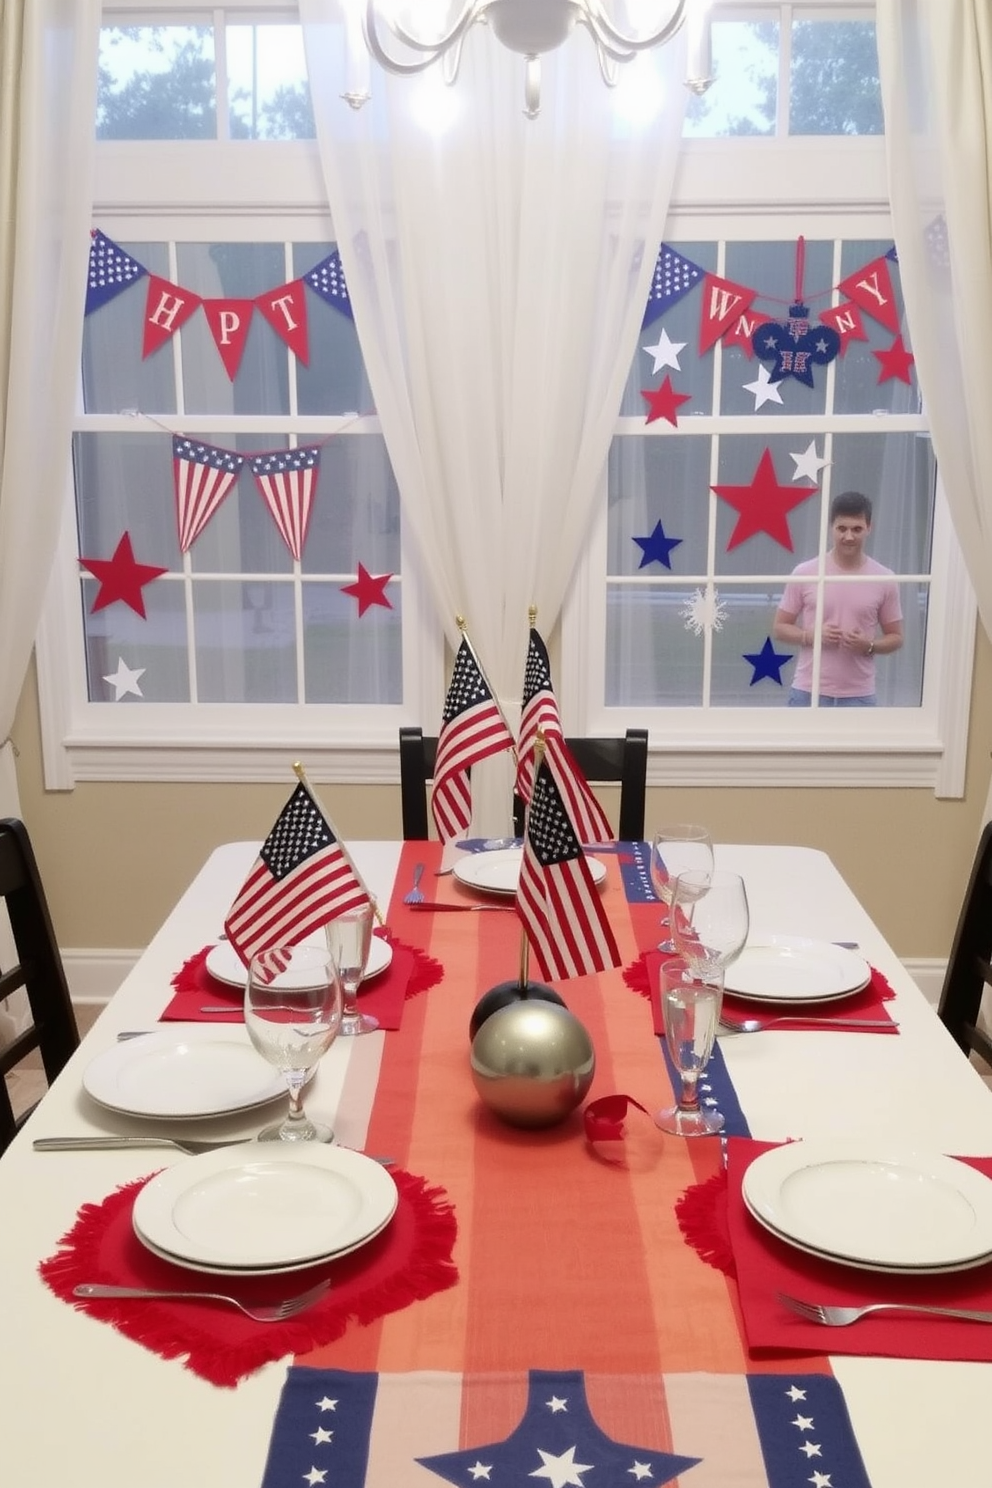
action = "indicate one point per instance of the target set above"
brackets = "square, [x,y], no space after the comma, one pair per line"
[498,268]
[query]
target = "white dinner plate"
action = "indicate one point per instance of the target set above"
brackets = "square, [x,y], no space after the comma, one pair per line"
[264,1207]
[881,1208]
[224,963]
[183,1072]
[792,968]
[498,872]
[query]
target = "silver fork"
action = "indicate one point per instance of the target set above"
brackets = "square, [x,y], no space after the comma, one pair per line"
[840,1317]
[416,894]
[276,1313]
[758,1025]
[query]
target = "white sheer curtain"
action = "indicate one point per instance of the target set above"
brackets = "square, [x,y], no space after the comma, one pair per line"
[48,68]
[935,64]
[498,268]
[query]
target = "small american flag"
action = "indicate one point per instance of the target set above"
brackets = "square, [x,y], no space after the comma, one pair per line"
[203,476]
[557,900]
[472,728]
[540,712]
[301,879]
[286,479]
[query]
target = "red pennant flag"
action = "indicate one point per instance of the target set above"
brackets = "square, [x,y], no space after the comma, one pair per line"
[229,321]
[286,311]
[743,328]
[871,289]
[847,322]
[167,308]
[723,301]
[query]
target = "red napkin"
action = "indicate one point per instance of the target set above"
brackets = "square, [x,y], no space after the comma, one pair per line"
[644,976]
[410,971]
[715,1222]
[409,1261]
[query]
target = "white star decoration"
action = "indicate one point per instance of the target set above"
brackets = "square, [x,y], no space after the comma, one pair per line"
[665,352]
[703,611]
[808,463]
[320,1435]
[820,1480]
[125,680]
[326,1404]
[481,1470]
[640,1470]
[556,1404]
[764,390]
[315,1475]
[561,1471]
[805,1423]
[794,1393]
[812,1449]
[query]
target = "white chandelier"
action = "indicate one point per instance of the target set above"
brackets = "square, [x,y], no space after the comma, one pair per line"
[530,27]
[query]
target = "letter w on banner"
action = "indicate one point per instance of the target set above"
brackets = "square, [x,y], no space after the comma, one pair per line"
[203,476]
[286,479]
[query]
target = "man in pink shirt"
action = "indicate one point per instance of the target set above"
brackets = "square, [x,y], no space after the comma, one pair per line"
[861,616]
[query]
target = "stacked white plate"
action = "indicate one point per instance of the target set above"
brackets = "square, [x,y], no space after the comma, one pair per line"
[879,1208]
[183,1072]
[264,1208]
[497,872]
[793,968]
[224,963]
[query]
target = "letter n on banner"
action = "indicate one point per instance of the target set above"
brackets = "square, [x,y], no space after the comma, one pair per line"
[723,302]
[167,308]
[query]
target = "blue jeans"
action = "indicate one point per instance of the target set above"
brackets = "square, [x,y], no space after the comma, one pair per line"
[798,699]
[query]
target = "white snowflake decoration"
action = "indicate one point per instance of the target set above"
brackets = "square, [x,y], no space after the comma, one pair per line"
[704,610]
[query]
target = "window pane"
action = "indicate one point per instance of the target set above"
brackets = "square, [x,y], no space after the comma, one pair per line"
[667,347]
[334,379]
[654,481]
[156,82]
[115,374]
[653,656]
[245,642]
[744,95]
[739,680]
[268,91]
[233,271]
[351,659]
[834,84]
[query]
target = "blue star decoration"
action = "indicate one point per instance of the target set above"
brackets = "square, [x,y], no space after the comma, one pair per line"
[656,547]
[767,662]
[556,1445]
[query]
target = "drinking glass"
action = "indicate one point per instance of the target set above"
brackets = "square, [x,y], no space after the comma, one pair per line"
[690,1009]
[293,1015]
[349,937]
[674,849]
[710,919]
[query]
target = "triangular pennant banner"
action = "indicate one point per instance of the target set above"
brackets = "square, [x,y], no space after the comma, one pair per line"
[871,290]
[286,311]
[327,280]
[203,475]
[286,480]
[229,322]
[847,322]
[723,303]
[110,271]
[741,329]
[167,309]
[673,277]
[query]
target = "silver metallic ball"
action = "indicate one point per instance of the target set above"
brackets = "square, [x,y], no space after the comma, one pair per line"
[532,1062]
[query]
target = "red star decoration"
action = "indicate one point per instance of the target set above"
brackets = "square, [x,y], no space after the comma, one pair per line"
[764,505]
[895,362]
[664,402]
[368,589]
[121,577]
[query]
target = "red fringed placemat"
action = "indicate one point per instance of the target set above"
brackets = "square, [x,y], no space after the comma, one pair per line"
[410,972]
[409,1261]
[642,976]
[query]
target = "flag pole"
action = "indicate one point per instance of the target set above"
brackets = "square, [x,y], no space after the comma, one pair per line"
[539,748]
[460,622]
[301,776]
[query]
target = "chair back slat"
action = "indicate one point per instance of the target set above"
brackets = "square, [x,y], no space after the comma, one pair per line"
[969,966]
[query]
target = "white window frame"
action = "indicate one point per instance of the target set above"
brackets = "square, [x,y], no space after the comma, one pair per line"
[773,189]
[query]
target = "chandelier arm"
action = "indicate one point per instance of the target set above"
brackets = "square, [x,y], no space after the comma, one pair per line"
[615,43]
[473,11]
[370,24]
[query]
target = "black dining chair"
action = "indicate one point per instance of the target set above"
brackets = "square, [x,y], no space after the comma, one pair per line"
[622,760]
[969,970]
[51,1027]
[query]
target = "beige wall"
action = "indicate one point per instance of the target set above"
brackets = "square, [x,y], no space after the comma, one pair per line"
[116,857]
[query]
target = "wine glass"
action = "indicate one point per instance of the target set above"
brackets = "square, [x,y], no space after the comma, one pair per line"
[674,849]
[690,1009]
[293,1015]
[710,919]
[349,937]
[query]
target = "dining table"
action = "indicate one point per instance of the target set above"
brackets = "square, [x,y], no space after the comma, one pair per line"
[579,1303]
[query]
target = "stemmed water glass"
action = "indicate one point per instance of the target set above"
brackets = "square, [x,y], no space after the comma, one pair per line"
[690,1009]
[674,849]
[349,939]
[710,919]
[293,1016]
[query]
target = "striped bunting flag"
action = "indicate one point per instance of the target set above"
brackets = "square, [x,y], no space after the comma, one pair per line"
[203,476]
[286,479]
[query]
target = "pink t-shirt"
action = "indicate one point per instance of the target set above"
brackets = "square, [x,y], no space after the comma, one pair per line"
[865,604]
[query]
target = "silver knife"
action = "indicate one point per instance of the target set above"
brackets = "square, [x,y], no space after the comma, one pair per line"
[184,1144]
